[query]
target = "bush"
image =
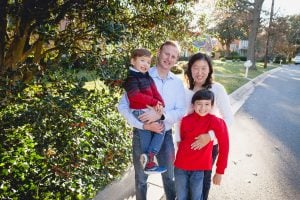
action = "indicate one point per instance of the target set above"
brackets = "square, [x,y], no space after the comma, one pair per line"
[234,56]
[59,140]
[243,58]
[176,70]
[182,58]
[280,58]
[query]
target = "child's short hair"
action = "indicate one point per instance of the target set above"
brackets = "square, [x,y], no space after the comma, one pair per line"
[140,52]
[204,94]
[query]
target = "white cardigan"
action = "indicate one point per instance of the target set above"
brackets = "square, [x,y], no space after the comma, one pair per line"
[221,108]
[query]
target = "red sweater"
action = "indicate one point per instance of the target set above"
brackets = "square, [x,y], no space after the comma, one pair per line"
[193,125]
[141,90]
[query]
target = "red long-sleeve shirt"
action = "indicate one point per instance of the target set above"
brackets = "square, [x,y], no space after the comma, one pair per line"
[141,90]
[193,125]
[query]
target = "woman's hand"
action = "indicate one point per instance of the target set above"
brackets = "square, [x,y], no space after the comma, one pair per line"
[201,141]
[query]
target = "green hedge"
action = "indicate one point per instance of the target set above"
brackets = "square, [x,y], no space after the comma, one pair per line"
[280,59]
[236,58]
[59,140]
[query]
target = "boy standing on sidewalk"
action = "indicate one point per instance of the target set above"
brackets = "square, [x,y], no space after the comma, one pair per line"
[142,93]
[189,163]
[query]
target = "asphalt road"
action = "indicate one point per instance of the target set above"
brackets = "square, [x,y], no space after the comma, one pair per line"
[264,161]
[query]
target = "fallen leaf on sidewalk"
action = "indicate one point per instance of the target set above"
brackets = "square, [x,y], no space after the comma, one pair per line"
[249,154]
[255,173]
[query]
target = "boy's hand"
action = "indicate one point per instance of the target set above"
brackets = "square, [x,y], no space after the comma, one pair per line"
[201,141]
[159,108]
[154,127]
[217,179]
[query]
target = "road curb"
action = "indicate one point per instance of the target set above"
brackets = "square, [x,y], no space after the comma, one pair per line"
[120,189]
[240,95]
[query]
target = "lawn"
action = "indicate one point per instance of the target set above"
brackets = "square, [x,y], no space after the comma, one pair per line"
[230,74]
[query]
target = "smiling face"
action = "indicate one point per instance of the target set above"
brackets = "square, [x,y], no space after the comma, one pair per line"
[167,57]
[202,107]
[142,63]
[200,71]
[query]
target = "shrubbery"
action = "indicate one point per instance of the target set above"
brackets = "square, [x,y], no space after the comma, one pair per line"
[176,70]
[236,58]
[59,140]
[183,58]
[280,59]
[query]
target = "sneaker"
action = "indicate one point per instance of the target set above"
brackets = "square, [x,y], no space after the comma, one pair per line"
[144,160]
[152,167]
[155,170]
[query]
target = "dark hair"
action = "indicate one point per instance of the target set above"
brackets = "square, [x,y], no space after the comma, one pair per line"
[140,52]
[204,94]
[192,60]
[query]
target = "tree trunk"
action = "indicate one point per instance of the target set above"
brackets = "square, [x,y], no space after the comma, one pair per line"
[268,36]
[3,24]
[253,32]
[227,50]
[15,53]
[38,51]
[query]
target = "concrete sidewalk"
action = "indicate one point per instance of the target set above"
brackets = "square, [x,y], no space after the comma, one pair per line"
[123,189]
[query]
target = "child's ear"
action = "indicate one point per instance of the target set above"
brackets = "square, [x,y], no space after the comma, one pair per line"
[193,106]
[132,61]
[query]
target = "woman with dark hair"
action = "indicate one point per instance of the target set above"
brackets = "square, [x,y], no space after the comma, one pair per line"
[199,76]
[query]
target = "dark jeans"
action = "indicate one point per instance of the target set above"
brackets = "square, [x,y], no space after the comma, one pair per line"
[165,158]
[188,184]
[150,142]
[207,174]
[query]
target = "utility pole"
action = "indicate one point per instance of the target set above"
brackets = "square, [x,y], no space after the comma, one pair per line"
[268,35]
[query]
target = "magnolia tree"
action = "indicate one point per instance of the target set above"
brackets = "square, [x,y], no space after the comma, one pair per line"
[43,31]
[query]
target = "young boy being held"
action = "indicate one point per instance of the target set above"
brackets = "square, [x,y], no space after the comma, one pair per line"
[142,93]
[190,164]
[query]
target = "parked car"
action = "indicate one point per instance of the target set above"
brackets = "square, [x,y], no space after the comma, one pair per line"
[297,59]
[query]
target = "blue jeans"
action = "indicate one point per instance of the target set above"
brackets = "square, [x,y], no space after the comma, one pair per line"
[150,142]
[165,158]
[207,174]
[188,184]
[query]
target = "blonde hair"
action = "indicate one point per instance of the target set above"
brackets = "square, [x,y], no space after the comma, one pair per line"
[171,43]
